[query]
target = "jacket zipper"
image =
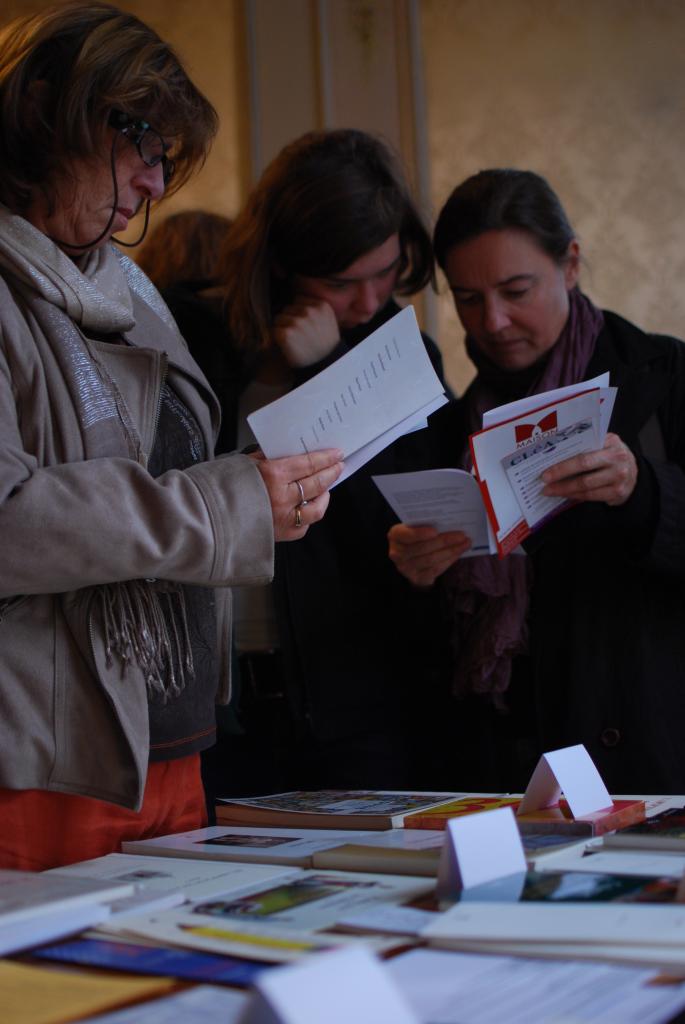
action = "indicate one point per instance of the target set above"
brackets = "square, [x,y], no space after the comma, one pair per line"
[164,363]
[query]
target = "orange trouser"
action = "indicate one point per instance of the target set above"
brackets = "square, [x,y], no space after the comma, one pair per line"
[40,830]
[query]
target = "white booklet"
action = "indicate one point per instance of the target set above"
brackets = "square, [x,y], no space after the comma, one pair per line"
[38,906]
[525,405]
[666,958]
[383,388]
[616,924]
[457,987]
[27,894]
[502,502]
[609,861]
[50,925]
[295,847]
[446,499]
[157,883]
[519,441]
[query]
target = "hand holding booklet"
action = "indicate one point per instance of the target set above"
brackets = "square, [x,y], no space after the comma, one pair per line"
[446,499]
[521,440]
[384,387]
[501,503]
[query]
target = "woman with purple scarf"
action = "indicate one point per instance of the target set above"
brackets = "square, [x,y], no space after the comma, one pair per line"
[581,640]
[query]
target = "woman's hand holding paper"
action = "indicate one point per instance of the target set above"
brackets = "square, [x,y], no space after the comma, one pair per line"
[422,554]
[295,482]
[607,475]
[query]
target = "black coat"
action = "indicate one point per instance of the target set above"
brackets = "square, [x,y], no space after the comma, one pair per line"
[606,666]
[358,641]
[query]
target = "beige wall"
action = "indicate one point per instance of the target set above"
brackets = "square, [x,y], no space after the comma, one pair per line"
[591,94]
[208,36]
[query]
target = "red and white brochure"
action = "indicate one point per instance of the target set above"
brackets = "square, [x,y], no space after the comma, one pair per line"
[523,439]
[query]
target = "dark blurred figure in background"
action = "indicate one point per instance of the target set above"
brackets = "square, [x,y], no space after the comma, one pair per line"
[184,250]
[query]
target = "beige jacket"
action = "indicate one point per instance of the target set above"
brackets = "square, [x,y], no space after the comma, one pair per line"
[78,508]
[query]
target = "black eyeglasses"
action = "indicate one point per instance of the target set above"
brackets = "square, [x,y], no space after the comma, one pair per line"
[149,143]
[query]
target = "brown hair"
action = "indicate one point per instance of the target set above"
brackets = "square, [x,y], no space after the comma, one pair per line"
[64,70]
[326,199]
[501,198]
[184,247]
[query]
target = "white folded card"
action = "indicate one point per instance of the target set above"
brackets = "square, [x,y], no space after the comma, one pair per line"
[479,848]
[384,387]
[343,987]
[571,771]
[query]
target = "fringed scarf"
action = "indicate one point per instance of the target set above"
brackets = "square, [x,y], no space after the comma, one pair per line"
[488,597]
[143,621]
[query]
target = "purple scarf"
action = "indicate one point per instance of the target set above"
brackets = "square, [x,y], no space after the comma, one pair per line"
[488,597]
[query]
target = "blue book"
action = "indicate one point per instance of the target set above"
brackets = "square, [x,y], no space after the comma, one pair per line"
[174,963]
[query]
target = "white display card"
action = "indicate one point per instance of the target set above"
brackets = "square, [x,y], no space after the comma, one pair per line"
[571,771]
[336,987]
[479,848]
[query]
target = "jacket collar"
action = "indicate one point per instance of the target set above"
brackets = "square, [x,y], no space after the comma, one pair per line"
[633,360]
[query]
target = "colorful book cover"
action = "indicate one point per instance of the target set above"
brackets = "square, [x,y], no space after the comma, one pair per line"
[556,819]
[437,817]
[665,831]
[573,887]
[187,965]
[559,818]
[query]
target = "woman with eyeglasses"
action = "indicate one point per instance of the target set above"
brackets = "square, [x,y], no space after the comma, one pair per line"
[119,536]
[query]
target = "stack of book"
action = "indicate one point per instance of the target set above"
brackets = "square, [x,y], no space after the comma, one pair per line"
[261,889]
[36,908]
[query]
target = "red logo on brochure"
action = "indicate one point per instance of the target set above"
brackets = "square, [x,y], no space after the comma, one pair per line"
[529,431]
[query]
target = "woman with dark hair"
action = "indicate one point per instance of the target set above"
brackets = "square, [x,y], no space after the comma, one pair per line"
[328,660]
[581,641]
[326,200]
[120,539]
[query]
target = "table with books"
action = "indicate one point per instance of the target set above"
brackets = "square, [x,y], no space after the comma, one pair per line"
[382,907]
[301,906]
